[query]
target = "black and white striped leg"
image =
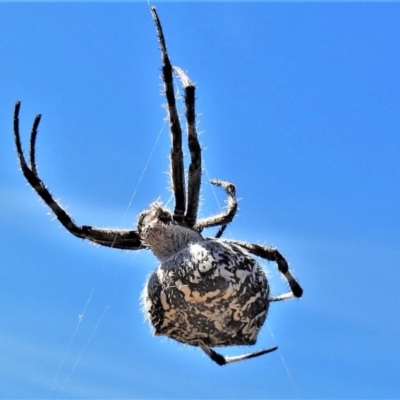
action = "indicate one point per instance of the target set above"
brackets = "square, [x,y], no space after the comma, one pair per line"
[221,360]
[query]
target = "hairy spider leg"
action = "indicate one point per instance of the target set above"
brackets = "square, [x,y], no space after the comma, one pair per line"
[272,254]
[120,239]
[191,204]
[221,231]
[194,172]
[222,218]
[177,167]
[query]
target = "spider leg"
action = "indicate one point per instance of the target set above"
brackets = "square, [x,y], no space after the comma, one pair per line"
[224,218]
[221,231]
[272,254]
[177,167]
[194,173]
[121,239]
[32,152]
[221,360]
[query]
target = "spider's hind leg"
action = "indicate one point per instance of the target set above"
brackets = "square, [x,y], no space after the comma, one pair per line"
[221,360]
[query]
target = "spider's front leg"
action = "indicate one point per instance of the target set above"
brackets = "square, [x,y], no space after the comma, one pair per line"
[194,172]
[186,207]
[177,167]
[272,254]
[121,239]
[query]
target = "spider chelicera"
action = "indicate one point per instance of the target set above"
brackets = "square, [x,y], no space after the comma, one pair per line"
[206,292]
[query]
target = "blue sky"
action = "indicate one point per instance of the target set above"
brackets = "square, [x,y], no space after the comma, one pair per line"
[299,105]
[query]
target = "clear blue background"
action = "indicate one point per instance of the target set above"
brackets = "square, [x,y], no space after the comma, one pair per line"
[299,104]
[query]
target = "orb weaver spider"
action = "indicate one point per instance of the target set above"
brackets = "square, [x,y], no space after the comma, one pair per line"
[206,292]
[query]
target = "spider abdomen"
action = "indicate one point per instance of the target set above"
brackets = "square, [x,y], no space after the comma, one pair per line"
[211,293]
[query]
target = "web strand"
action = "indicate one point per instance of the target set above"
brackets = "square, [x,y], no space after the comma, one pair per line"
[83,350]
[81,316]
[293,383]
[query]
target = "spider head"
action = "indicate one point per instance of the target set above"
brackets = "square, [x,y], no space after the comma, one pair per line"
[162,234]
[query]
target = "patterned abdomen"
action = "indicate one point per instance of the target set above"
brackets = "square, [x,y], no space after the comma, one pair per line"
[212,293]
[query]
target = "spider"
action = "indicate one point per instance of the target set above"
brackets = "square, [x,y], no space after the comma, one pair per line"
[206,292]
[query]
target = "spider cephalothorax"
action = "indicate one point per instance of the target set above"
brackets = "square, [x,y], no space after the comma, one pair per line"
[207,292]
[161,234]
